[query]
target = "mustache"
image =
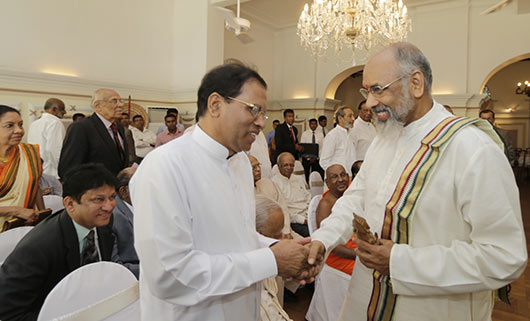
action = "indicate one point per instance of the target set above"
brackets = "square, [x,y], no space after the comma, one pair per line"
[378,109]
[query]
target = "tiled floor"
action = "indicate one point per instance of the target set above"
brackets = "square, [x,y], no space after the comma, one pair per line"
[519,295]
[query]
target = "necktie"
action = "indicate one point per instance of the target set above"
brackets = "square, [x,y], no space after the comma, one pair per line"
[90,252]
[313,140]
[117,141]
[324,131]
[292,134]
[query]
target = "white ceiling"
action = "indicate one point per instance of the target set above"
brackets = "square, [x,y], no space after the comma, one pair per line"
[279,14]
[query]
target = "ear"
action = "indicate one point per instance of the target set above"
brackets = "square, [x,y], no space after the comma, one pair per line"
[68,203]
[417,84]
[215,103]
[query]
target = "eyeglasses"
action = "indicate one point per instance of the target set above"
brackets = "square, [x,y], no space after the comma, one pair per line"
[286,165]
[377,90]
[113,101]
[258,165]
[255,110]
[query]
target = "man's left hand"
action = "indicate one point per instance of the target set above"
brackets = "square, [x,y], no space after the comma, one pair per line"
[376,256]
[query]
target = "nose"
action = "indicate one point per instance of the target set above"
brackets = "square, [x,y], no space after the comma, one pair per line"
[109,205]
[371,101]
[260,121]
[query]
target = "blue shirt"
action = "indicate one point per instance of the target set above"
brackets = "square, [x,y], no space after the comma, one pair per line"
[270,136]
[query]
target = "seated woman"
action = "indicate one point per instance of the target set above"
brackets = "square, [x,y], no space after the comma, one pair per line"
[20,170]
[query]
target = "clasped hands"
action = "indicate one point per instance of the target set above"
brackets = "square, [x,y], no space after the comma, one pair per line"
[300,260]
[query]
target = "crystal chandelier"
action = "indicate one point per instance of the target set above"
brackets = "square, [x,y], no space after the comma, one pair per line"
[357,24]
[523,90]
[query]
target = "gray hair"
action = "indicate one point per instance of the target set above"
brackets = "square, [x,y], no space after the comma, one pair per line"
[280,156]
[97,95]
[264,206]
[410,58]
[340,112]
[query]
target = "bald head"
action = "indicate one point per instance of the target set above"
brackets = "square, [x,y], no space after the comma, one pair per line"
[269,217]
[55,107]
[124,177]
[337,179]
[256,168]
[405,58]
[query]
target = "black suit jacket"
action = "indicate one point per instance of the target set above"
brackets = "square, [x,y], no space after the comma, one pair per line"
[88,141]
[40,260]
[284,141]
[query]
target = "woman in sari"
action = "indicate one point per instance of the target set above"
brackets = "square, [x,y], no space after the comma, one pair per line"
[20,170]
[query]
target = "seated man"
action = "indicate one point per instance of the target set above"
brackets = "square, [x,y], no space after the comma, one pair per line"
[294,192]
[269,222]
[342,257]
[268,188]
[332,285]
[171,132]
[122,226]
[66,240]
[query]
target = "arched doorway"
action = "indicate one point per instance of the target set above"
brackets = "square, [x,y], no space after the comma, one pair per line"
[512,111]
[345,87]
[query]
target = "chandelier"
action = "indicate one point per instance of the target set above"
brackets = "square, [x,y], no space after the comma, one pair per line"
[523,90]
[357,24]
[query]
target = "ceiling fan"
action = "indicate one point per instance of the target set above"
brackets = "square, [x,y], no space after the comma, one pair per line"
[498,6]
[239,26]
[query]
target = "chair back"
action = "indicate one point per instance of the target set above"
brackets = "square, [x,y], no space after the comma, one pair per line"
[275,170]
[9,239]
[316,184]
[53,202]
[96,291]
[312,213]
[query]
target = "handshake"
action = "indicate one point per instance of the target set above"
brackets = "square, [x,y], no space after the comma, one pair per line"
[299,260]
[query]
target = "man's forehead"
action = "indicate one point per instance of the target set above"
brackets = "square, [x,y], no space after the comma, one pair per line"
[379,69]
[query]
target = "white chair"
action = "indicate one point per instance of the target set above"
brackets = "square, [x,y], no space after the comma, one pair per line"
[98,291]
[275,170]
[54,202]
[316,184]
[312,213]
[299,173]
[9,239]
[331,286]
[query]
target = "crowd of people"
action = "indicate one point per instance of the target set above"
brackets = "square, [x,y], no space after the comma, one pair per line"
[218,223]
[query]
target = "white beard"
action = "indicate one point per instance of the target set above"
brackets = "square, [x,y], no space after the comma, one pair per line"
[395,123]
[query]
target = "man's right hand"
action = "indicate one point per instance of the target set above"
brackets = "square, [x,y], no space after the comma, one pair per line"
[316,253]
[291,259]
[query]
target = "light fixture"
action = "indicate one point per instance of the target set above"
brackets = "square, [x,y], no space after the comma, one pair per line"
[357,24]
[523,90]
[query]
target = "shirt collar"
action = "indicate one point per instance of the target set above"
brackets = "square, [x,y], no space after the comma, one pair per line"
[50,116]
[82,231]
[209,144]
[362,121]
[426,120]
[104,120]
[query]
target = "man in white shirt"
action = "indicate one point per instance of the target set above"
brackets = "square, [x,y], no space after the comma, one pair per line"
[48,132]
[338,146]
[309,161]
[294,192]
[445,249]
[200,255]
[363,131]
[144,139]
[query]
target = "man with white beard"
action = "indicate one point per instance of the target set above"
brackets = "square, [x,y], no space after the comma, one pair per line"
[426,190]
[338,146]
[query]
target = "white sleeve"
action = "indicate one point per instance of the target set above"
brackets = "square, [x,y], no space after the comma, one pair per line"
[137,135]
[174,270]
[495,254]
[54,142]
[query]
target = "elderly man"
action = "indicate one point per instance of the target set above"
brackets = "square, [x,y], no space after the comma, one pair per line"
[269,223]
[445,247]
[122,226]
[294,192]
[338,146]
[48,132]
[144,139]
[68,239]
[97,139]
[489,115]
[260,150]
[200,255]
[363,131]
[171,132]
